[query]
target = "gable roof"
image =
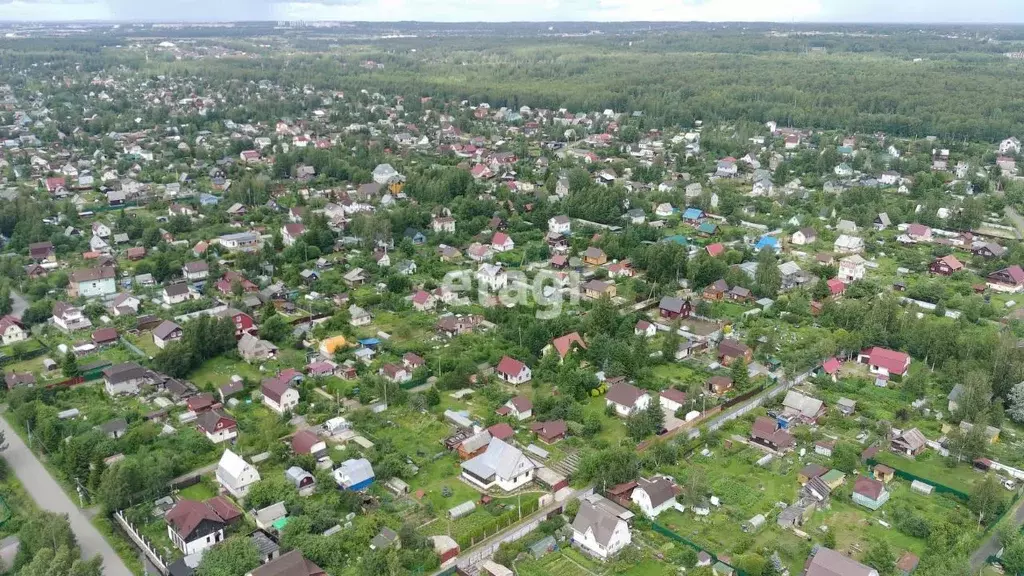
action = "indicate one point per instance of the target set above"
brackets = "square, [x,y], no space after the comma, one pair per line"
[659,490]
[624,394]
[868,487]
[187,515]
[828,562]
[509,366]
[501,460]
[289,564]
[563,344]
[231,466]
[597,520]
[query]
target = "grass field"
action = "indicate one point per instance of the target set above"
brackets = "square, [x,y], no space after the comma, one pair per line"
[558,563]
[932,467]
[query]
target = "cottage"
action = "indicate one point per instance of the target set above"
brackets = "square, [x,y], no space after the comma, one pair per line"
[519,407]
[176,294]
[253,349]
[513,371]
[627,399]
[69,318]
[851,268]
[595,289]
[354,474]
[166,333]
[719,385]
[1007,280]
[566,344]
[909,443]
[550,432]
[730,351]
[798,407]
[195,526]
[884,362]
[11,330]
[125,378]
[655,496]
[217,426]
[599,532]
[804,236]
[846,244]
[278,394]
[945,265]
[235,475]
[672,307]
[870,493]
[92,282]
[500,465]
[766,432]
[827,562]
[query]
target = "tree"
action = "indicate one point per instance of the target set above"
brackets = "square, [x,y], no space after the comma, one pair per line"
[976,399]
[967,445]
[1013,552]
[767,277]
[845,457]
[236,556]
[69,365]
[881,557]
[987,499]
[47,530]
[1016,398]
[671,342]
[740,375]
[275,329]
[821,290]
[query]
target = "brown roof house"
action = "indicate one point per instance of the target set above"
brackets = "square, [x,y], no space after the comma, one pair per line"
[828,562]
[627,399]
[870,493]
[550,432]
[766,432]
[909,443]
[731,350]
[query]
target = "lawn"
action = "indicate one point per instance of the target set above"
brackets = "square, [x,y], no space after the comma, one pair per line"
[219,370]
[932,467]
[204,490]
[556,563]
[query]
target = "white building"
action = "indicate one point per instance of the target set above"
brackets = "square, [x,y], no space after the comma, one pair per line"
[851,268]
[654,496]
[11,330]
[501,465]
[627,399]
[235,474]
[847,244]
[599,532]
[492,277]
[1009,147]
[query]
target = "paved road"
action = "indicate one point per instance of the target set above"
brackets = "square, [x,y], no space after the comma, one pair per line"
[18,305]
[49,496]
[991,546]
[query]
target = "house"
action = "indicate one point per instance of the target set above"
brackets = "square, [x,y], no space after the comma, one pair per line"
[124,378]
[1006,280]
[384,539]
[269,517]
[165,333]
[235,475]
[739,294]
[195,526]
[1010,147]
[115,428]
[475,445]
[622,269]
[715,291]
[513,371]
[846,406]
[195,271]
[766,432]
[945,265]
[443,224]
[804,236]
[307,442]
[627,399]
[13,380]
[654,496]
[253,349]
[726,168]
[672,307]
[909,443]
[869,493]
[719,385]
[11,330]
[105,336]
[176,294]
[492,277]
[565,344]
[42,252]
[828,562]
[672,399]
[889,178]
[423,301]
[217,426]
[102,230]
[289,564]
[354,474]
[851,268]
[550,432]
[919,233]
[882,221]
[124,305]
[846,244]
[69,318]
[240,241]
[559,225]
[278,393]
[645,329]
[885,362]
[799,407]
[596,289]
[502,242]
[831,368]
[394,373]
[599,532]
[92,282]
[594,256]
[988,250]
[518,407]
[501,465]
[731,350]
[843,170]
[907,563]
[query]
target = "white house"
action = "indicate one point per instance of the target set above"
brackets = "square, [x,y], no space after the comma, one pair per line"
[166,333]
[889,178]
[176,294]
[358,316]
[559,224]
[519,407]
[501,465]
[100,229]
[492,276]
[194,271]
[654,496]
[627,399]
[513,371]
[804,236]
[236,475]
[11,330]
[69,318]
[291,232]
[194,526]
[502,242]
[672,399]
[278,393]
[599,532]
[217,427]
[92,282]
[851,268]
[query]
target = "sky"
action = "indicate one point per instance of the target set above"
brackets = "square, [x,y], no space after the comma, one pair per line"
[897,11]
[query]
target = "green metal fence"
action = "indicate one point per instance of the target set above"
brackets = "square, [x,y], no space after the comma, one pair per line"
[903,474]
[676,537]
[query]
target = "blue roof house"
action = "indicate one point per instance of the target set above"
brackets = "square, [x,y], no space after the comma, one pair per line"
[767,242]
[693,214]
[355,474]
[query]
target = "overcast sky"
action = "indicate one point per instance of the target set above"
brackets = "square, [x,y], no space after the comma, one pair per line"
[923,11]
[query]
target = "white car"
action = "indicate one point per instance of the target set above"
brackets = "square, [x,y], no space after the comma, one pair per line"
[1009,484]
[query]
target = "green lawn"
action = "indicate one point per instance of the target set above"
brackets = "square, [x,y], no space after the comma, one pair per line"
[202,491]
[931,466]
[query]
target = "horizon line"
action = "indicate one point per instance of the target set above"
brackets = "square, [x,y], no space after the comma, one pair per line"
[534,22]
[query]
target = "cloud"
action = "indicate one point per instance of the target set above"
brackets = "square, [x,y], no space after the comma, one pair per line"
[923,11]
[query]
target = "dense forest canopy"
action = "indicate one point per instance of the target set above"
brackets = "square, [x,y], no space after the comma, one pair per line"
[951,82]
